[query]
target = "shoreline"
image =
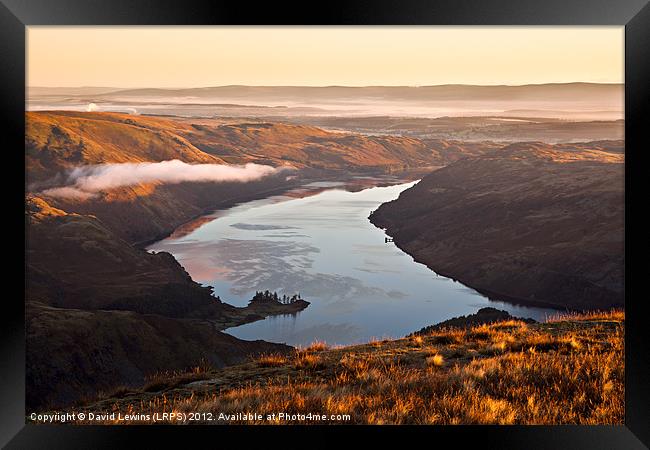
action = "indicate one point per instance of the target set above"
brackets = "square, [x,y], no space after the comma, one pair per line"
[407,176]
[239,316]
[254,312]
[487,293]
[235,316]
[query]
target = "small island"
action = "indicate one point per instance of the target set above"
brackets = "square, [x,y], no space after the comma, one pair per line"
[262,305]
[270,303]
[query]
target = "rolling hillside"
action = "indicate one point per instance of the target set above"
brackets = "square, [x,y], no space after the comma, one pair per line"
[59,141]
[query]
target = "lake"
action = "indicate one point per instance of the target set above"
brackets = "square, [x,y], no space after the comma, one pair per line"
[317,241]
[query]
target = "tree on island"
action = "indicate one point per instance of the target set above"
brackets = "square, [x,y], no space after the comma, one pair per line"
[269,297]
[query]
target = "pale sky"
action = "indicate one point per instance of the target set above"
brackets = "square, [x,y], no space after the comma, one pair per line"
[321,56]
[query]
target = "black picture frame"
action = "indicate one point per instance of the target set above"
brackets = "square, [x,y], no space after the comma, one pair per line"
[15,15]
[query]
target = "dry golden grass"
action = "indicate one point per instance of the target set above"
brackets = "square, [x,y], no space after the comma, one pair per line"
[567,371]
[614,314]
[435,360]
[273,360]
[308,361]
[375,342]
[174,378]
[317,347]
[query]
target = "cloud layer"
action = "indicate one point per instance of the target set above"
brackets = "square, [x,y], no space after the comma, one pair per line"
[86,181]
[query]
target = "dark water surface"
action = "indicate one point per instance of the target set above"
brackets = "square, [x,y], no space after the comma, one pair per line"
[318,241]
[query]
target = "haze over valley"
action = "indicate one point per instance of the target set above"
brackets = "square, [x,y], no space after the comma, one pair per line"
[557,112]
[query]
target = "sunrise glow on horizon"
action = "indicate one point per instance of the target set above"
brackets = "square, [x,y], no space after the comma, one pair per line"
[181,57]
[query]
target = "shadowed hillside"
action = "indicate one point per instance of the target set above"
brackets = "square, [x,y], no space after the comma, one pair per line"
[101,313]
[531,222]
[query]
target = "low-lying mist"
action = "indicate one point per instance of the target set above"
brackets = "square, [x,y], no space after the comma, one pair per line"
[87,181]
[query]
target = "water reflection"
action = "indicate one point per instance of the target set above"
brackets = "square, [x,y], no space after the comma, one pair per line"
[323,246]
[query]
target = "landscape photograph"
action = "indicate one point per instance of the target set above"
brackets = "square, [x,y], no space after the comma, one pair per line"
[325,225]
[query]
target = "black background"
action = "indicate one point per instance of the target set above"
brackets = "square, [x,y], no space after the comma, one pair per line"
[15,15]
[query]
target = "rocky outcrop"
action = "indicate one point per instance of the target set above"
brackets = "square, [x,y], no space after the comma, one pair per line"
[483,316]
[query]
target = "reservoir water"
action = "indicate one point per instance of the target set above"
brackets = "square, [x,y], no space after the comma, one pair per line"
[318,241]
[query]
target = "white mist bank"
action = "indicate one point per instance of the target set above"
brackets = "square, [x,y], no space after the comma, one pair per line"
[86,181]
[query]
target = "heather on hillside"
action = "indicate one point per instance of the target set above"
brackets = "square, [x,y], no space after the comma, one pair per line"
[568,370]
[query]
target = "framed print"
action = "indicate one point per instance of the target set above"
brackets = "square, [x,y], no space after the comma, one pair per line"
[414,218]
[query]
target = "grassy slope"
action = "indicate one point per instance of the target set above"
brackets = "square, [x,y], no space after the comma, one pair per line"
[566,371]
[62,139]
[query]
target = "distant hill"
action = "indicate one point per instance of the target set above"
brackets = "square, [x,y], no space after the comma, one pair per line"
[531,92]
[574,101]
[507,127]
